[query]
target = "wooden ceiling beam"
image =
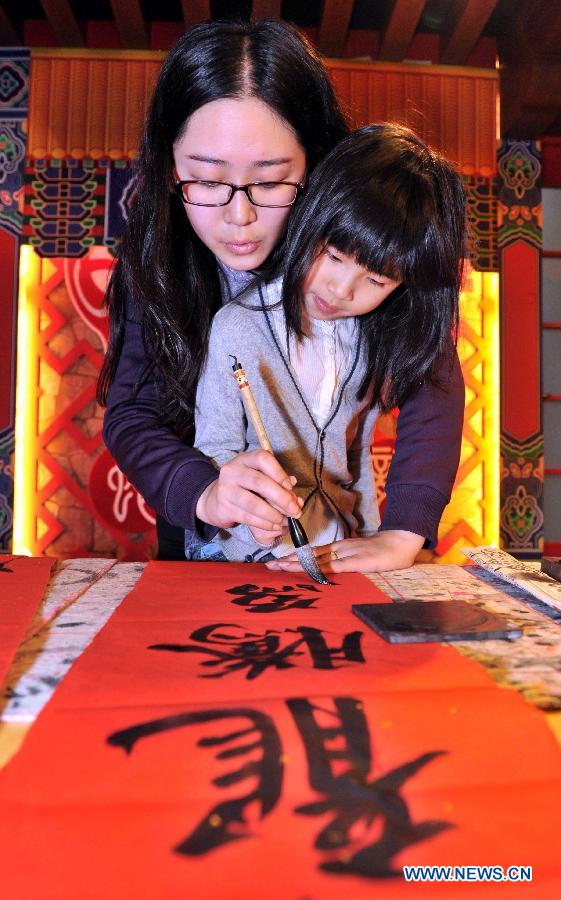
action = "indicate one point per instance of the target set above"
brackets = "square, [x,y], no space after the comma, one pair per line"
[9,36]
[466,21]
[334,25]
[400,29]
[266,9]
[530,55]
[530,96]
[530,102]
[65,25]
[130,24]
[195,11]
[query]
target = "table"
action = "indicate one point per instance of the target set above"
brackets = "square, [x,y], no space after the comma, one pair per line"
[102,778]
[83,593]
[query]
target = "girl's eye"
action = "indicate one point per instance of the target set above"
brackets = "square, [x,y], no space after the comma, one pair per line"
[331,255]
[375,281]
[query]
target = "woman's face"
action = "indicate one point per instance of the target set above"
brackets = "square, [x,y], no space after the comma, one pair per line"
[238,141]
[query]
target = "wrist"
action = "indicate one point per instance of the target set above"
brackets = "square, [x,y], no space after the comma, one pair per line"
[404,537]
[203,509]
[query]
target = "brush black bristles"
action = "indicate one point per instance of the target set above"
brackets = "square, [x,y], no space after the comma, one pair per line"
[304,552]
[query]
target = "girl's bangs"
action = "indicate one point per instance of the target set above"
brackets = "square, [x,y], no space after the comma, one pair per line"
[373,248]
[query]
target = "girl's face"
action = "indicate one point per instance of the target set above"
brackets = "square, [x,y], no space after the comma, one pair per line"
[336,287]
[238,141]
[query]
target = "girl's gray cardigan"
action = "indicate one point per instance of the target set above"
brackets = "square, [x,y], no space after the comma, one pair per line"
[331,461]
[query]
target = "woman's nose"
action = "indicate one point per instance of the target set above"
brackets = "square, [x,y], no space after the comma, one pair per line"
[240,210]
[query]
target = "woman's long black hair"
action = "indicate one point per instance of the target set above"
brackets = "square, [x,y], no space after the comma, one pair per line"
[398,208]
[163,267]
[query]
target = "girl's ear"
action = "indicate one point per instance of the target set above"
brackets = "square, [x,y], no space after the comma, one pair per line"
[174,180]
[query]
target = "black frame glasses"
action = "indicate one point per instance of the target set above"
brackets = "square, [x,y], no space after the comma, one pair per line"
[246,188]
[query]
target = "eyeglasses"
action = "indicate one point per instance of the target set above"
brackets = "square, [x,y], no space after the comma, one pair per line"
[219,193]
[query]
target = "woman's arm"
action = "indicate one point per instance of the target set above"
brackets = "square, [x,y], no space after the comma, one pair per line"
[427,453]
[359,460]
[169,475]
[176,480]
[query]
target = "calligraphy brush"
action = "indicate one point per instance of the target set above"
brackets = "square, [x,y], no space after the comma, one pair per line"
[298,536]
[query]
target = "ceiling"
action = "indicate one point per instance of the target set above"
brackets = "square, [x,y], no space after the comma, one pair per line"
[525,35]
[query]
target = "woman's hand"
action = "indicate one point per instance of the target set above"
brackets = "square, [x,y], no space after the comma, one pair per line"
[382,552]
[252,489]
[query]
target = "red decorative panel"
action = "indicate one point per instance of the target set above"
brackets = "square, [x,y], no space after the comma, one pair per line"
[519,239]
[83,504]
[382,452]
[521,340]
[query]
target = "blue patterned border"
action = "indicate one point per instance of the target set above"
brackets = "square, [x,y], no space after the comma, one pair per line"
[64,215]
[12,158]
[14,83]
[119,192]
[7,447]
[14,101]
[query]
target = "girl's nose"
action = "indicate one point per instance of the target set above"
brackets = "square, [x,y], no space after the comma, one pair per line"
[341,287]
[240,210]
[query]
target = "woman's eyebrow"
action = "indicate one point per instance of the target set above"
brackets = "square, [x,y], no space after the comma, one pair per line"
[280,161]
[207,159]
[256,164]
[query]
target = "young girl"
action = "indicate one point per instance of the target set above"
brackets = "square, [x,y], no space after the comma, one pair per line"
[229,110]
[369,311]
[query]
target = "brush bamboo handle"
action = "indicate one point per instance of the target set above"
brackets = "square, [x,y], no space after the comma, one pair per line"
[251,407]
[298,536]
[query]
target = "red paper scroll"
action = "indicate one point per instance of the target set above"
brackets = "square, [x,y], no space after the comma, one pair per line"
[237,733]
[22,585]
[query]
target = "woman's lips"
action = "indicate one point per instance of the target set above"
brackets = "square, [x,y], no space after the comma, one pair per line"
[323,307]
[242,248]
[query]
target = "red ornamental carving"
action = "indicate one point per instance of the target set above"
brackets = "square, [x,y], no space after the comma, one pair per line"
[116,501]
[86,281]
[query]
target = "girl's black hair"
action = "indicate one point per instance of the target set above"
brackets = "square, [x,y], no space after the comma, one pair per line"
[398,208]
[162,266]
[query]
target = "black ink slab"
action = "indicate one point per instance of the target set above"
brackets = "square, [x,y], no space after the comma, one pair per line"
[551,565]
[424,621]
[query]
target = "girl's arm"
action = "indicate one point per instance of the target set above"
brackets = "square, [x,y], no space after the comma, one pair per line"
[173,478]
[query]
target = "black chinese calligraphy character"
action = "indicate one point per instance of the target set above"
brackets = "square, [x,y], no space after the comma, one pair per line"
[227,821]
[4,570]
[337,745]
[352,799]
[286,597]
[233,649]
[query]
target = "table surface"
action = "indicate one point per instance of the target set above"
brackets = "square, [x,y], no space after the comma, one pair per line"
[83,593]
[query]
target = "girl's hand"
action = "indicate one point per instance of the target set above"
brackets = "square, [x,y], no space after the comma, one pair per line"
[267,537]
[382,552]
[252,489]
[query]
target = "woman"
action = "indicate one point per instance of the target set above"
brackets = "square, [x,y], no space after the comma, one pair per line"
[236,104]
